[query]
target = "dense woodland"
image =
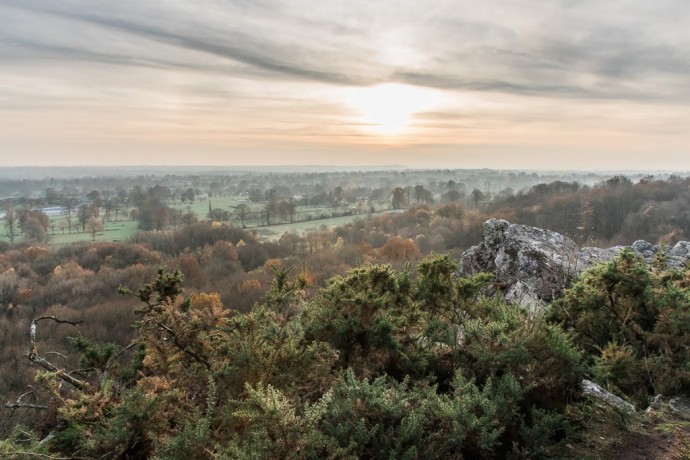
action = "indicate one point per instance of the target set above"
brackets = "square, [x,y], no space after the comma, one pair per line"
[353,341]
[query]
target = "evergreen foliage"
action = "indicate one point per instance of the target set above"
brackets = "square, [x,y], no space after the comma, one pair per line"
[633,322]
[381,363]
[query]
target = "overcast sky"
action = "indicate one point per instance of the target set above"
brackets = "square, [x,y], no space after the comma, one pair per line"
[443,83]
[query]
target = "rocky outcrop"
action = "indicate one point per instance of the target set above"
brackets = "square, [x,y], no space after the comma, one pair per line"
[533,265]
[678,406]
[592,389]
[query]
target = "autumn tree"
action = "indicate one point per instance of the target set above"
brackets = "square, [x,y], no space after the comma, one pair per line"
[93,226]
[52,196]
[452,195]
[399,249]
[218,214]
[422,195]
[34,230]
[152,211]
[69,205]
[189,217]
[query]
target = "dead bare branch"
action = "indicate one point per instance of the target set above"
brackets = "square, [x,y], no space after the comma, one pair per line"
[111,362]
[21,405]
[117,356]
[83,372]
[181,347]
[56,353]
[57,320]
[21,396]
[50,457]
[60,373]
[32,327]
[44,363]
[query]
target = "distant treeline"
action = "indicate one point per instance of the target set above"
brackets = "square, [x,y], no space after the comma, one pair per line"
[616,211]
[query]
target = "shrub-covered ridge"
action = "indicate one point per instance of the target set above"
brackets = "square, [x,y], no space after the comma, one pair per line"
[380,363]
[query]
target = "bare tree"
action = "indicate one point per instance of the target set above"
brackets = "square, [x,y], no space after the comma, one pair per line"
[11,217]
[242,212]
[93,226]
[70,204]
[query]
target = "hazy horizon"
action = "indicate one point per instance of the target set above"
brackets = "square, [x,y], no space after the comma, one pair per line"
[569,85]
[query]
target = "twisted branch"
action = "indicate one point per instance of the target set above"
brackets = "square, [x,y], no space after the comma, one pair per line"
[19,404]
[44,363]
[111,362]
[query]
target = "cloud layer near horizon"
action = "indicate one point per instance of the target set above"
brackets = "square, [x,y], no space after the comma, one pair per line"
[262,81]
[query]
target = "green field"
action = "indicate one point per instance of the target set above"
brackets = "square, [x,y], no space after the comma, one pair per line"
[200,206]
[121,230]
[229,203]
[114,231]
[312,217]
[273,232]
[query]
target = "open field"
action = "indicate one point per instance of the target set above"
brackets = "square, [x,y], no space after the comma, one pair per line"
[122,230]
[118,231]
[229,203]
[200,206]
[273,232]
[306,217]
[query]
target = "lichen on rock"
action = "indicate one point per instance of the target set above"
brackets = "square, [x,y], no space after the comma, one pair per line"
[532,266]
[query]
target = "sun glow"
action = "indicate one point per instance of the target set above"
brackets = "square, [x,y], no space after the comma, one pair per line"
[388,109]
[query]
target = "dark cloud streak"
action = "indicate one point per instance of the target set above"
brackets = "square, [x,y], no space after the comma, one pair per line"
[588,57]
[218,47]
[455,83]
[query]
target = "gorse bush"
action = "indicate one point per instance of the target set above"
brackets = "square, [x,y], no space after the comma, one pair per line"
[633,322]
[381,363]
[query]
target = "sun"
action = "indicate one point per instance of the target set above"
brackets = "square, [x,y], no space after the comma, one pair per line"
[388,109]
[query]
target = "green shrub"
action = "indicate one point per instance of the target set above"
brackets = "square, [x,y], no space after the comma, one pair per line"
[633,324]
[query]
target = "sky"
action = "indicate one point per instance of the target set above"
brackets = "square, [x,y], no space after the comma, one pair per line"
[526,84]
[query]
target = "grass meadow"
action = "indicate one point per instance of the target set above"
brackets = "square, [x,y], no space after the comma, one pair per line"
[306,218]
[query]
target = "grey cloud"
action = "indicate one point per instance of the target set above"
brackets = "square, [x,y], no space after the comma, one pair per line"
[620,59]
[69,53]
[241,49]
[569,49]
[452,82]
[72,53]
[539,88]
[601,62]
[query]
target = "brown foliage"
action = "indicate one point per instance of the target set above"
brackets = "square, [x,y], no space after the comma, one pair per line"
[398,249]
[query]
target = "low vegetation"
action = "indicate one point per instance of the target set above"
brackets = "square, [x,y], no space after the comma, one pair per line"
[361,369]
[379,362]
